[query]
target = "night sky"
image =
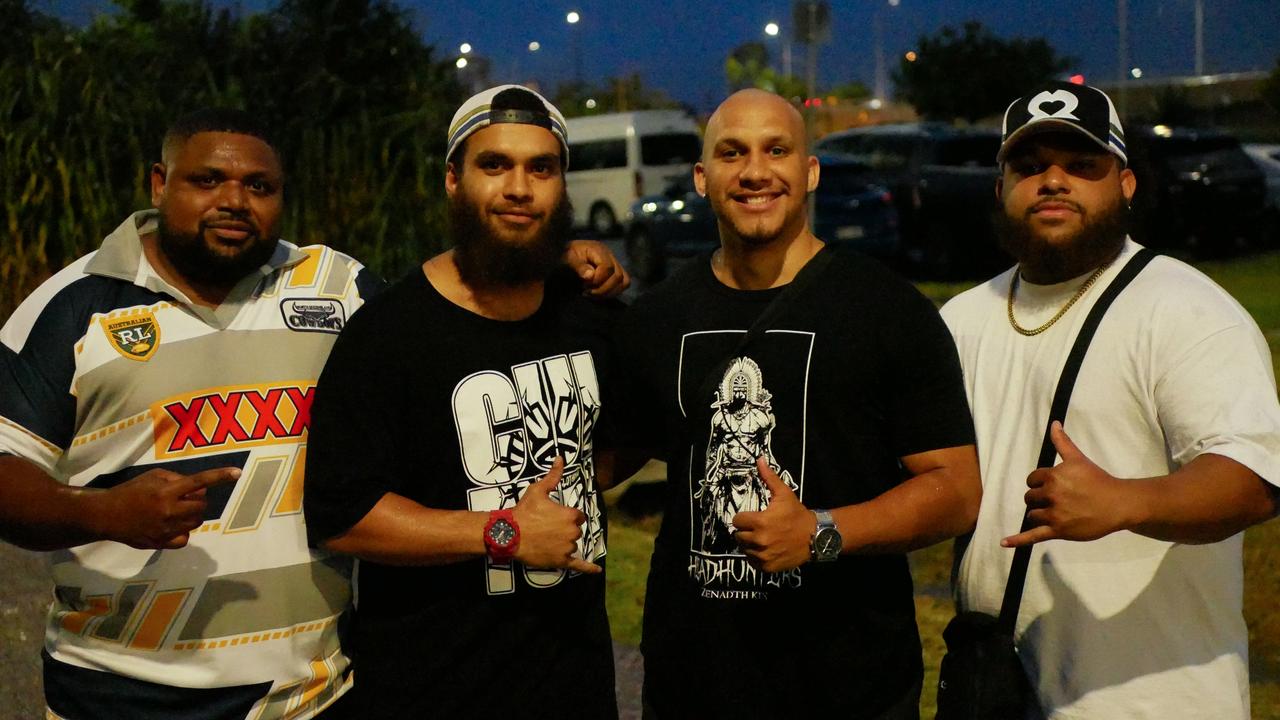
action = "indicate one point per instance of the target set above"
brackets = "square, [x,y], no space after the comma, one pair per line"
[680,47]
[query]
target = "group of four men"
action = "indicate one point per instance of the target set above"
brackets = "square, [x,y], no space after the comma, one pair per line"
[158,428]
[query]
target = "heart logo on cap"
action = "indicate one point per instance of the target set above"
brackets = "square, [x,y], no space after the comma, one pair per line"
[1062,102]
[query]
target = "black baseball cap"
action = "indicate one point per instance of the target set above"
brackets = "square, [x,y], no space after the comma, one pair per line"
[1057,106]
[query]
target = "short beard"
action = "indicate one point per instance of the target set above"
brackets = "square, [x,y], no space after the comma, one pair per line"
[198,264]
[1098,240]
[484,259]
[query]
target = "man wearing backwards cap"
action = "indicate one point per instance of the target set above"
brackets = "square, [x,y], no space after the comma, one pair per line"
[1171,445]
[453,449]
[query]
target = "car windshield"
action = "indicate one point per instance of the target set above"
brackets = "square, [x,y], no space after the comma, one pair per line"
[850,179]
[669,148]
[1199,154]
[977,151]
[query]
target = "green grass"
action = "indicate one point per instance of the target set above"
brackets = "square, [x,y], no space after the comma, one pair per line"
[1255,282]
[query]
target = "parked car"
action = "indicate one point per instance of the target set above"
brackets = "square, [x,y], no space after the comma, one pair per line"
[618,157]
[943,184]
[680,223]
[1267,158]
[1198,191]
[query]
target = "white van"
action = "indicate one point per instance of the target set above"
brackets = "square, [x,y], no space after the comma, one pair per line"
[618,157]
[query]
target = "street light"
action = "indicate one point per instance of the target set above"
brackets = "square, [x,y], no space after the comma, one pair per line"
[881,77]
[1136,73]
[773,29]
[535,46]
[573,18]
[464,48]
[461,63]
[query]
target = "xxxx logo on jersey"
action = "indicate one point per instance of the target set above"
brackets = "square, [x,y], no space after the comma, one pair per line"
[135,336]
[219,419]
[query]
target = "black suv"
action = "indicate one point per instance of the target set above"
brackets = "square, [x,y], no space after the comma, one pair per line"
[943,184]
[1198,191]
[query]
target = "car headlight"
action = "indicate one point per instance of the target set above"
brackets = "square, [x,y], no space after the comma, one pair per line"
[649,207]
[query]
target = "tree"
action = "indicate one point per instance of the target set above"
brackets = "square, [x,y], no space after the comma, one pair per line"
[973,74]
[359,104]
[619,94]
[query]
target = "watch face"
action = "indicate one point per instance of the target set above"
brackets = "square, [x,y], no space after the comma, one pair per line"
[502,533]
[827,543]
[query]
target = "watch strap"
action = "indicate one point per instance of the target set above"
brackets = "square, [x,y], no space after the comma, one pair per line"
[825,522]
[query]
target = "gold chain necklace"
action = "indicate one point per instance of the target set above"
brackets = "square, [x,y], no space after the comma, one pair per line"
[1013,289]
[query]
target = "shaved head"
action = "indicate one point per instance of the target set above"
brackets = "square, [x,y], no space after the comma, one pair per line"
[749,106]
[756,170]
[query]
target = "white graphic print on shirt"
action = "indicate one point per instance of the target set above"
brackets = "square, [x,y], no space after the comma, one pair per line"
[510,431]
[747,406]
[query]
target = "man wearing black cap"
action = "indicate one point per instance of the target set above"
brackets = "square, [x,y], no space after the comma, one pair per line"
[453,450]
[1171,446]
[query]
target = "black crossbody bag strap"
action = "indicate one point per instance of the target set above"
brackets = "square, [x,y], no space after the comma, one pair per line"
[803,279]
[1058,411]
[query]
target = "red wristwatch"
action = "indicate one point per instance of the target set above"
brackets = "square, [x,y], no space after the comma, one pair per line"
[501,536]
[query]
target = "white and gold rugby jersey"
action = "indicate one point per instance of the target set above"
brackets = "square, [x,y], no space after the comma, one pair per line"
[106,371]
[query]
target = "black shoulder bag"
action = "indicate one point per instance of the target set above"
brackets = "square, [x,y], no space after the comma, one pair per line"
[981,676]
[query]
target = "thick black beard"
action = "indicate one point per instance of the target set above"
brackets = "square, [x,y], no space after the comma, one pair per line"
[1097,241]
[200,265]
[486,260]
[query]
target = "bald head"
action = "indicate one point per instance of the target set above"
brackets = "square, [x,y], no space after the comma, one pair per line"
[754,108]
[756,169]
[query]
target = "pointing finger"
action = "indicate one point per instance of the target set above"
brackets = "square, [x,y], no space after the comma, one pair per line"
[1030,537]
[207,478]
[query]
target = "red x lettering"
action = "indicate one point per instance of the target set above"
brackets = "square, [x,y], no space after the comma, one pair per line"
[302,401]
[266,405]
[228,425]
[188,419]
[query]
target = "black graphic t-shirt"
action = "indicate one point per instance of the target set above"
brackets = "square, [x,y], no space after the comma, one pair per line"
[858,372]
[459,412]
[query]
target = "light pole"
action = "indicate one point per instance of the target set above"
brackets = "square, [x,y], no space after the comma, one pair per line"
[877,26]
[772,29]
[1199,37]
[1122,21]
[573,18]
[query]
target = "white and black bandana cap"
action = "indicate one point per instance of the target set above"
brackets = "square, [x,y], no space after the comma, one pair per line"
[1064,106]
[506,104]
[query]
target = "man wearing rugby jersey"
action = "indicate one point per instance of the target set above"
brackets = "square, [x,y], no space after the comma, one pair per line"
[454,450]
[155,401]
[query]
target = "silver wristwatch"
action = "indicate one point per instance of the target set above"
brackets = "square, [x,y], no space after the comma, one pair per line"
[825,544]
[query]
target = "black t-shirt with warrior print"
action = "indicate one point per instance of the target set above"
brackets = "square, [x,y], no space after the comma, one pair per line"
[458,412]
[856,373]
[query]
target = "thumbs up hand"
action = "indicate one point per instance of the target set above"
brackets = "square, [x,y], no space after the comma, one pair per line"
[549,531]
[1073,500]
[776,538]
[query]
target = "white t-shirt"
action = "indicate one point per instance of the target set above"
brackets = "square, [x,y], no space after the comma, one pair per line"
[1125,626]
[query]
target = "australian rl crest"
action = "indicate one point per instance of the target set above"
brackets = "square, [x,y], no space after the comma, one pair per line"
[135,336]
